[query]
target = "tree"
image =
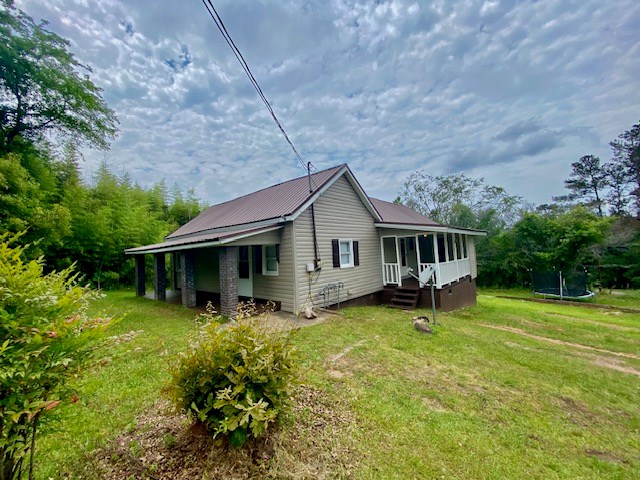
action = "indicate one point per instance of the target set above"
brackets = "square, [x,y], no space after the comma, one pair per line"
[460,200]
[42,89]
[626,151]
[586,182]
[618,194]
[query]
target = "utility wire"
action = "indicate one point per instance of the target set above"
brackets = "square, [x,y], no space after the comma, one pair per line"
[245,66]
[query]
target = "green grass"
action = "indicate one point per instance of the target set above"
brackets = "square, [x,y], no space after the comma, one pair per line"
[616,298]
[468,402]
[127,380]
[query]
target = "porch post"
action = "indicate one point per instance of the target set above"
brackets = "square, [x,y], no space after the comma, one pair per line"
[384,275]
[159,277]
[188,277]
[436,257]
[174,271]
[140,276]
[419,260]
[228,280]
[398,261]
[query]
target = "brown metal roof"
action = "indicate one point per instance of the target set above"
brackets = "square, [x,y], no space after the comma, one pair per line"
[204,238]
[394,213]
[269,203]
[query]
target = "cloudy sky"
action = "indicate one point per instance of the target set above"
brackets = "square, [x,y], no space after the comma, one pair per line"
[511,91]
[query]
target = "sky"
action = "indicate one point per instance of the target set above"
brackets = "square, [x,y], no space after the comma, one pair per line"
[511,91]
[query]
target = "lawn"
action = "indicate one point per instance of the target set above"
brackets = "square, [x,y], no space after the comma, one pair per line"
[507,389]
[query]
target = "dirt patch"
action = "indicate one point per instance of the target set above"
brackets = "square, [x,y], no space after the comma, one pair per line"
[337,357]
[542,326]
[520,346]
[314,443]
[615,365]
[606,456]
[578,413]
[434,404]
[560,342]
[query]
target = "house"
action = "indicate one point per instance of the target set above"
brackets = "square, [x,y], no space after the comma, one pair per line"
[314,240]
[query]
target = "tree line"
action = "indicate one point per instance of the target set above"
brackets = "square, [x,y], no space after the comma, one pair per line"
[49,110]
[594,226]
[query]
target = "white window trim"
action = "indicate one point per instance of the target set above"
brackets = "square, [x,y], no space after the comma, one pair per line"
[270,273]
[350,264]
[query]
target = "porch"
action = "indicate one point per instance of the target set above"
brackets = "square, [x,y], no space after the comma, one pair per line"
[418,255]
[224,275]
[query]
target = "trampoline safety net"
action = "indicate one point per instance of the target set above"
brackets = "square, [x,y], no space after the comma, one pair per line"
[574,284]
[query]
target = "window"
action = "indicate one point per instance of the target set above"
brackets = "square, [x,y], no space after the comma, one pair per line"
[243,262]
[270,260]
[346,253]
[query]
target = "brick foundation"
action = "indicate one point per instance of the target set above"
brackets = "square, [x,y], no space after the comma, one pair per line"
[228,280]
[458,295]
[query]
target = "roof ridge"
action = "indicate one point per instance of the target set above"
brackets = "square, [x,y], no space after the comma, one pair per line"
[276,185]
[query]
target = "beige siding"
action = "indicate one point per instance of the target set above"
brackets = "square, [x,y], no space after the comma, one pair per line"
[268,238]
[339,213]
[471,242]
[278,288]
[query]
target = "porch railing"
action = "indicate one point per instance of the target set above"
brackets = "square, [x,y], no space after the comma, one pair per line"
[391,274]
[449,272]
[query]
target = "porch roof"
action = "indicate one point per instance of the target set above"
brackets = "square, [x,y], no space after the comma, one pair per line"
[404,218]
[201,241]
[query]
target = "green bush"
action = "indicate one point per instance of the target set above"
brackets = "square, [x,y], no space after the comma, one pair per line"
[236,378]
[45,338]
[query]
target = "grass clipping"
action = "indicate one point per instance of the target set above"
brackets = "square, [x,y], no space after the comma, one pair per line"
[314,441]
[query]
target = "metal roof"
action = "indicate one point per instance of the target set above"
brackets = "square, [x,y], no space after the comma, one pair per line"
[394,213]
[204,240]
[269,203]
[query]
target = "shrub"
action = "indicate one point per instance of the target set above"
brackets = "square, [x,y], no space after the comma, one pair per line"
[236,378]
[45,338]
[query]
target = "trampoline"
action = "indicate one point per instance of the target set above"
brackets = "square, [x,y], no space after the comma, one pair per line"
[560,285]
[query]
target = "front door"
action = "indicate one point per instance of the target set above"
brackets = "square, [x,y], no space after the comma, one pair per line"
[245,272]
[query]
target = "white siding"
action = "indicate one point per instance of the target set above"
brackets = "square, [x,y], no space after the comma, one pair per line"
[339,213]
[278,288]
[471,247]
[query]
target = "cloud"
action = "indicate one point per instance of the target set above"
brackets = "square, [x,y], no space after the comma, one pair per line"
[482,87]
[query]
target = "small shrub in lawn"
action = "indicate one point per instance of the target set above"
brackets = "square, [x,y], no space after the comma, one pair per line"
[235,378]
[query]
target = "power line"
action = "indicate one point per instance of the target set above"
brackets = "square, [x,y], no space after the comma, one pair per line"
[245,66]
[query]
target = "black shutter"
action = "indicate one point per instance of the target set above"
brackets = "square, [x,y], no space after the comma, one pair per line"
[278,252]
[257,258]
[335,247]
[356,254]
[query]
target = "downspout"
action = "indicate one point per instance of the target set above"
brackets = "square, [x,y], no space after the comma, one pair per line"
[316,260]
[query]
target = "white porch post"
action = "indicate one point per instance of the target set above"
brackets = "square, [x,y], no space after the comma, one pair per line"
[384,275]
[398,261]
[418,254]
[455,236]
[436,256]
